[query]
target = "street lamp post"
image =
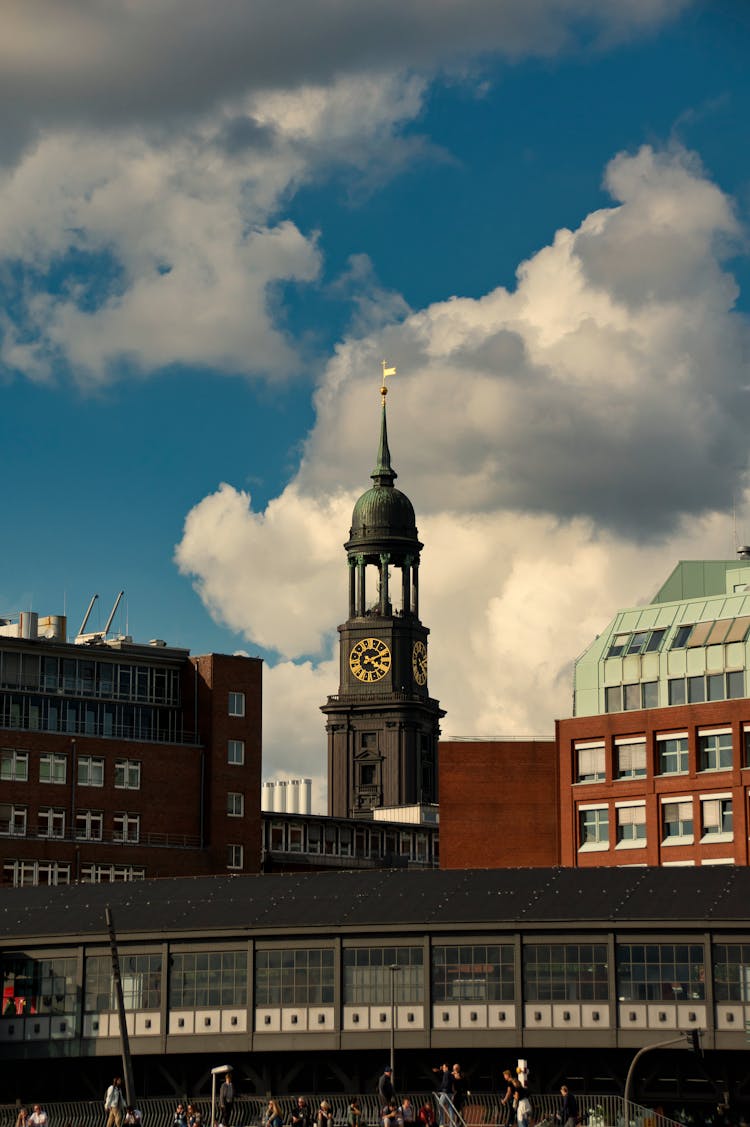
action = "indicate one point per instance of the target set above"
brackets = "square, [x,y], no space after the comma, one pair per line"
[393,968]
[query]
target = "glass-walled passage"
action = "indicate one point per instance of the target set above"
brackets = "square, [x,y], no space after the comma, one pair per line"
[422,983]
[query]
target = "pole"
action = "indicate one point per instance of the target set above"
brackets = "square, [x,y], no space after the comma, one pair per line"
[127,1064]
[646,1049]
[393,968]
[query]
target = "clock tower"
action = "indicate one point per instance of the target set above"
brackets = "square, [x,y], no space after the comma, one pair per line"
[382,725]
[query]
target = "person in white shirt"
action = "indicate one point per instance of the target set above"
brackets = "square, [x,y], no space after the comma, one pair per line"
[114,1103]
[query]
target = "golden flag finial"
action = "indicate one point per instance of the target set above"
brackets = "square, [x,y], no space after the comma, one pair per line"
[386,372]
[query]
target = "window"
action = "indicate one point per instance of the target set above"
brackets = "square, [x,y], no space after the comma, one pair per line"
[235,804]
[716,816]
[53,768]
[236,752]
[235,854]
[677,819]
[732,972]
[12,819]
[51,822]
[676,690]
[38,986]
[657,972]
[735,684]
[631,759]
[681,636]
[368,977]
[673,755]
[110,874]
[90,771]
[473,973]
[208,978]
[696,690]
[368,741]
[89,825]
[14,765]
[594,827]
[631,825]
[590,766]
[715,686]
[637,642]
[714,751]
[655,641]
[302,977]
[236,704]
[631,697]
[127,827]
[127,774]
[565,972]
[23,874]
[141,983]
[650,694]
[619,642]
[613,698]
[367,774]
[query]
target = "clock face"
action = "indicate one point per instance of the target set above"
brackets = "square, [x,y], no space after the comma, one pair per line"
[370,659]
[419,663]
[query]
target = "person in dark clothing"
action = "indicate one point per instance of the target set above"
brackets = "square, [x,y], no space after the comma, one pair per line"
[226,1100]
[459,1090]
[568,1108]
[386,1091]
[301,1115]
[444,1092]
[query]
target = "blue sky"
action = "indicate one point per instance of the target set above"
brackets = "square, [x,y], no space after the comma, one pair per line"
[208,240]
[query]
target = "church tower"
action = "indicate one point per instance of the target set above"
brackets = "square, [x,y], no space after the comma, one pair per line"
[382,725]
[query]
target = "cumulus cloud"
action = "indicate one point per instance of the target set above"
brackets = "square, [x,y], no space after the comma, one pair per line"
[159,61]
[563,444]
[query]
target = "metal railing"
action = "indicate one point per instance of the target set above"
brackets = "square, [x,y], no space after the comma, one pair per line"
[482,1109]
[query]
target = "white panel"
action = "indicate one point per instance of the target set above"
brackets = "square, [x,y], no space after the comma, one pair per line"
[61,1028]
[293,1020]
[268,1021]
[234,1021]
[538,1015]
[148,1024]
[37,1029]
[473,1017]
[595,1015]
[731,1018]
[11,1030]
[633,1015]
[380,1017]
[691,1017]
[661,1015]
[409,1017]
[181,1021]
[207,1021]
[94,1025]
[320,1019]
[445,1016]
[356,1018]
[566,1016]
[501,1017]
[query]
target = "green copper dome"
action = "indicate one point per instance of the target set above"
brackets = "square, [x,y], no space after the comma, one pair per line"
[383,513]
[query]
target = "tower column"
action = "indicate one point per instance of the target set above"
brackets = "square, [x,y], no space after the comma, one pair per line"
[385,559]
[415,587]
[352,586]
[361,577]
[406,586]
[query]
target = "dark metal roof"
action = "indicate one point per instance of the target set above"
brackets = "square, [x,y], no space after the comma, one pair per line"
[334,902]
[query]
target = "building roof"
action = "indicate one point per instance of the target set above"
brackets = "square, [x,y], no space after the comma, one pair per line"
[385,900]
[383,514]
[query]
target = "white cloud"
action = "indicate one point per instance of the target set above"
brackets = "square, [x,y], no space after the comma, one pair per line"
[564,444]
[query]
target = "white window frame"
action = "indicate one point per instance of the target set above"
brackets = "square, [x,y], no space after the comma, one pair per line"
[58,768]
[235,857]
[55,822]
[680,838]
[590,763]
[716,810]
[632,745]
[706,747]
[18,763]
[631,815]
[90,771]
[665,737]
[236,704]
[127,827]
[600,840]
[127,774]
[89,825]
[236,753]
[16,821]
[235,804]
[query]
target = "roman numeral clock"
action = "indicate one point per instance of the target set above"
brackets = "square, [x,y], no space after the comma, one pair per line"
[382,725]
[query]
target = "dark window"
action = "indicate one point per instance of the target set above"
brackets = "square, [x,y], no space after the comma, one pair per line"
[676,688]
[681,636]
[613,699]
[632,697]
[368,978]
[655,641]
[735,684]
[650,694]
[660,972]
[696,690]
[565,972]
[301,977]
[473,973]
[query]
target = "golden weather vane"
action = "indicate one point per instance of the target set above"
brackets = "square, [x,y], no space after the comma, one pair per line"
[386,372]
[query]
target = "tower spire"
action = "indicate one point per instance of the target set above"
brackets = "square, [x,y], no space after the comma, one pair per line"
[384,473]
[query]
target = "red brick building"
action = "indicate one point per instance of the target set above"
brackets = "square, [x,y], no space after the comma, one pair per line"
[120,761]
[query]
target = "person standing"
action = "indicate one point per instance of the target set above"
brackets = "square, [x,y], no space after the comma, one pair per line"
[114,1103]
[38,1117]
[226,1099]
[568,1107]
[459,1091]
[445,1087]
[523,1107]
[386,1091]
